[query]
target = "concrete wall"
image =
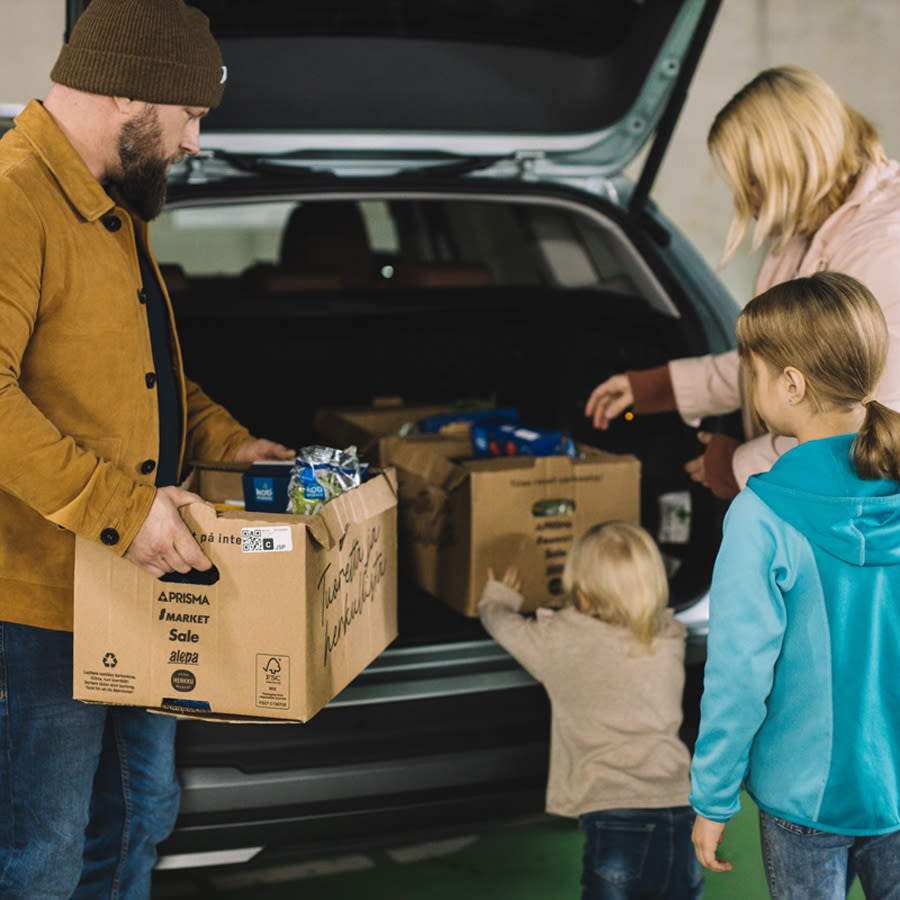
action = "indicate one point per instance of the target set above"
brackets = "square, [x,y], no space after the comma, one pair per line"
[853,44]
[30,38]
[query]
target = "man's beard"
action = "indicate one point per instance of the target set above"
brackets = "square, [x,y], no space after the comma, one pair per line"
[144,171]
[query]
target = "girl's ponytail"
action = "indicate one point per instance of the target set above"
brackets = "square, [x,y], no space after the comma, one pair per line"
[876,450]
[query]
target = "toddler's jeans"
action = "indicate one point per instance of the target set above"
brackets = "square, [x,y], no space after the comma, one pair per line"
[636,853]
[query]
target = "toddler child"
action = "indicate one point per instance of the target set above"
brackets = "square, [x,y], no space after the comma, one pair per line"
[612,663]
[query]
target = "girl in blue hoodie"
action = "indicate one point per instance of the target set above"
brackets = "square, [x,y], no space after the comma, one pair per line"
[801,701]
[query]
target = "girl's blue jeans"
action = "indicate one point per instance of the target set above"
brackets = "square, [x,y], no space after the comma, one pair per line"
[805,863]
[631,854]
[86,791]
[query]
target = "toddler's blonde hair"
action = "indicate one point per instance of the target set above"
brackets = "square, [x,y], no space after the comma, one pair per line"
[618,569]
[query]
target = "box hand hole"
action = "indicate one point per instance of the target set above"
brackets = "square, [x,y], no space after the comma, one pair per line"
[194,576]
[542,509]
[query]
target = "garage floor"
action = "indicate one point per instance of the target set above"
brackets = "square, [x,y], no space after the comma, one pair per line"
[538,863]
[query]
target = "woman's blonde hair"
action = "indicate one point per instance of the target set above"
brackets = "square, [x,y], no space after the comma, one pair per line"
[788,136]
[618,569]
[830,327]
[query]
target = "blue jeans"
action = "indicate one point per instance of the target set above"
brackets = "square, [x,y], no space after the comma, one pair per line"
[805,863]
[86,792]
[633,854]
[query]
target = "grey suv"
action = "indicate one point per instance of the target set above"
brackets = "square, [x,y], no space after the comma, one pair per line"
[426,201]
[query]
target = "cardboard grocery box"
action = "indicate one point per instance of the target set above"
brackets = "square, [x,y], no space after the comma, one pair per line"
[301,605]
[457,518]
[375,430]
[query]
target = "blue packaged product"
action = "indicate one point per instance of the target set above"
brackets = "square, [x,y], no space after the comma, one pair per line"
[265,486]
[516,439]
[433,424]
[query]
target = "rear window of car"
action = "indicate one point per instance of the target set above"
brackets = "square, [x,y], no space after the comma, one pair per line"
[444,241]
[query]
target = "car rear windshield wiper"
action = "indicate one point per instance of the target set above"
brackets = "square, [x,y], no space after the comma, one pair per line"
[220,165]
[267,164]
[462,166]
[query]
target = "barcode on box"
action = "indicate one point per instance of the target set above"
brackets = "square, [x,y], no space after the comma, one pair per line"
[276,539]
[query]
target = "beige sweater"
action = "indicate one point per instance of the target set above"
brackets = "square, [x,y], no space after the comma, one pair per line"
[615,716]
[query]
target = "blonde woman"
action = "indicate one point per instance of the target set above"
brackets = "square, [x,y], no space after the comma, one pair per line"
[800,699]
[612,663]
[811,180]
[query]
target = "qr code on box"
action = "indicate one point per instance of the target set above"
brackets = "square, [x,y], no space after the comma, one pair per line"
[265,540]
[252,540]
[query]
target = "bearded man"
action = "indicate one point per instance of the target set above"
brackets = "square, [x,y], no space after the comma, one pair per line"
[96,421]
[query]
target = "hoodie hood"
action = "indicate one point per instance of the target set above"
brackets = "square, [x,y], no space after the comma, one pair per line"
[814,489]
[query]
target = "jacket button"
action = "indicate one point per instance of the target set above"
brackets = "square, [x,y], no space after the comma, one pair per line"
[147,466]
[109,536]
[150,378]
[112,223]
[142,296]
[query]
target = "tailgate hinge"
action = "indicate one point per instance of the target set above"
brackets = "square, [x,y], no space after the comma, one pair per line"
[526,161]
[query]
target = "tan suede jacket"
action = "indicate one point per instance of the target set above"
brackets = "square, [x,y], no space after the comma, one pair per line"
[79,426]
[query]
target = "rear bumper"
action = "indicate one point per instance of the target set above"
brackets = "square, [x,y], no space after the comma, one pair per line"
[427,742]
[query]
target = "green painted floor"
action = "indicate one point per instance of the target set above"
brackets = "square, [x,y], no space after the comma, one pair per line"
[537,863]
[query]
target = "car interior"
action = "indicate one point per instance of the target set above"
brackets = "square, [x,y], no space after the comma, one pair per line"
[438,300]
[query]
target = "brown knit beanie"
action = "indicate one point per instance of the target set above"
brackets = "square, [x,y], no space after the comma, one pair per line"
[159,51]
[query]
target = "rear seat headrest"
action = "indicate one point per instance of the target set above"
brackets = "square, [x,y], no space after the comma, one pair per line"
[328,237]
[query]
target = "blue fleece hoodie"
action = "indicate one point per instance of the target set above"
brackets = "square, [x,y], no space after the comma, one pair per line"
[801,698]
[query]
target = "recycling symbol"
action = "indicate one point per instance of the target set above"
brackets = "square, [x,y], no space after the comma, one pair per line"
[110,660]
